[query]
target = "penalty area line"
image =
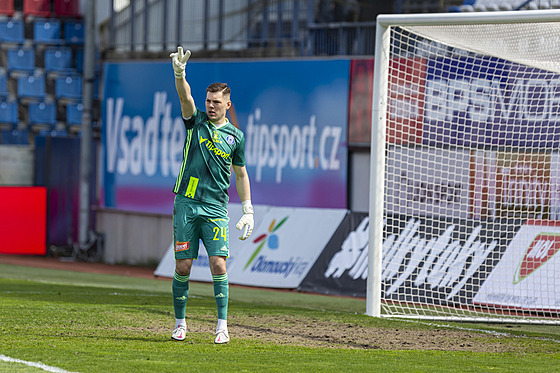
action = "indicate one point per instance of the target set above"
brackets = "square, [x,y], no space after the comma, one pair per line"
[33,364]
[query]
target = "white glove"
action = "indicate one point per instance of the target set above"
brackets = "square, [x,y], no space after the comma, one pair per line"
[179,61]
[246,222]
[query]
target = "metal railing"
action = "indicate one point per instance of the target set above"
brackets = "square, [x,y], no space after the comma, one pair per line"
[152,26]
[250,28]
[260,28]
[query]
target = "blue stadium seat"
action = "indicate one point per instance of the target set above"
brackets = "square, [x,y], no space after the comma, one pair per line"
[74,32]
[58,59]
[11,31]
[68,87]
[31,87]
[21,60]
[9,113]
[42,113]
[74,114]
[47,31]
[15,137]
[3,85]
[79,64]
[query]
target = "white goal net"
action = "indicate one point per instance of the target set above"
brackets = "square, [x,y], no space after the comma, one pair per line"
[465,167]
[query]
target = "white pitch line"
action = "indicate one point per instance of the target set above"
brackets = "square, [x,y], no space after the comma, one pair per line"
[493,332]
[33,364]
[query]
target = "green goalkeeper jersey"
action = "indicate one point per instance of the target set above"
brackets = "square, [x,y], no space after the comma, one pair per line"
[208,153]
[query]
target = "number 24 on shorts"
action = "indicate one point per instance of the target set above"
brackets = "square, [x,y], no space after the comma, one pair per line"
[220,232]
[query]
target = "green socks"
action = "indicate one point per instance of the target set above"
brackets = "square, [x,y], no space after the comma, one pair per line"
[180,286]
[221,293]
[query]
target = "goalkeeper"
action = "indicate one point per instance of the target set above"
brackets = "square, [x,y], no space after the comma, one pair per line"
[212,147]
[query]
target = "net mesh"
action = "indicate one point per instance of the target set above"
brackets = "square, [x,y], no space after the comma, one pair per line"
[472,181]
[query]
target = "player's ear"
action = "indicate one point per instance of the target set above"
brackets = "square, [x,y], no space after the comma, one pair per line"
[228,104]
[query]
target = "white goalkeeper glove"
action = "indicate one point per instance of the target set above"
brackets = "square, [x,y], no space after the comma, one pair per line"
[246,222]
[179,61]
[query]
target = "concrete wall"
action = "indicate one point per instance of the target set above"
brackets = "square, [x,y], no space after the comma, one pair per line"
[134,238]
[358,183]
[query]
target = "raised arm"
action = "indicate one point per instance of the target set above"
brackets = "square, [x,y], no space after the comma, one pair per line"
[179,61]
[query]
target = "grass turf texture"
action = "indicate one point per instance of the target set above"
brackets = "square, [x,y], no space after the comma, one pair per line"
[84,322]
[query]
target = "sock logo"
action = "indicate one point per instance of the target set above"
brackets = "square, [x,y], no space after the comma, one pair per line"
[221,295]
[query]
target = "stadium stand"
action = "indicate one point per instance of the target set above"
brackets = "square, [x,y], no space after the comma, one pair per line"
[7,7]
[20,60]
[42,116]
[12,31]
[47,31]
[74,114]
[58,60]
[74,32]
[4,93]
[79,60]
[68,88]
[507,5]
[31,88]
[8,114]
[15,137]
[67,8]
[41,59]
[37,8]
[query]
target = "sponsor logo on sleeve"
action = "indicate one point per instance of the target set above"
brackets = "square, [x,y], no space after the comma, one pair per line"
[181,246]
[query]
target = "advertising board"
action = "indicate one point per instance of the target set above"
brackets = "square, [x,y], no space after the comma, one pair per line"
[293,114]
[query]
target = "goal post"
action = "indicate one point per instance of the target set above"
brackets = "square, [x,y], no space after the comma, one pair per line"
[464,210]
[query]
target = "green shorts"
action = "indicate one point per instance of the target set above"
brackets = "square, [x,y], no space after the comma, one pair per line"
[194,221]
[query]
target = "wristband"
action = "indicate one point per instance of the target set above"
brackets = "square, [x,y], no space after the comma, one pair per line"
[247,207]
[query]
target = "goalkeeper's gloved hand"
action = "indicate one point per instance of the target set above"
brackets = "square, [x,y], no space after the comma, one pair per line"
[246,222]
[179,61]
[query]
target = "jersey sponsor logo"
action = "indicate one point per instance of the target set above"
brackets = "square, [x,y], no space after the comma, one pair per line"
[210,146]
[543,247]
[181,246]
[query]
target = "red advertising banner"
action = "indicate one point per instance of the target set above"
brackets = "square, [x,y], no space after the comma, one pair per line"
[23,220]
[359,101]
[406,101]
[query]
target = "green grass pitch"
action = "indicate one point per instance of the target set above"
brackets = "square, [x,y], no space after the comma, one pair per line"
[81,322]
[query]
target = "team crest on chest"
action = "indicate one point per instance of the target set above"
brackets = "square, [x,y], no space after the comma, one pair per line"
[230,140]
[215,136]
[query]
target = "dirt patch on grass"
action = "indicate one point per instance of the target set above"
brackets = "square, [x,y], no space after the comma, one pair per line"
[317,333]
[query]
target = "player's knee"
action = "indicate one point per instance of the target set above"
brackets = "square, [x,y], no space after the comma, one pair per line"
[183,266]
[217,265]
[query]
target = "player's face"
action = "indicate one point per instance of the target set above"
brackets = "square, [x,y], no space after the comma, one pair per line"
[216,106]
